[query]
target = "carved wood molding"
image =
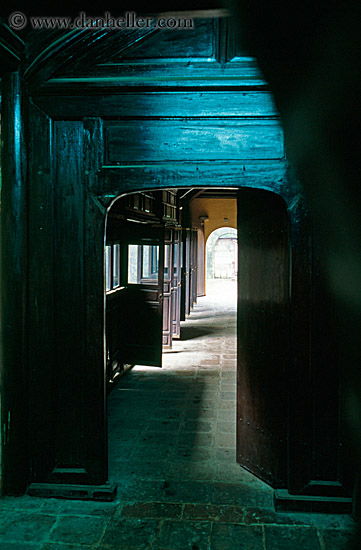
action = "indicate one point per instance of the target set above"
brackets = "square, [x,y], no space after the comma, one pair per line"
[11,49]
[87,46]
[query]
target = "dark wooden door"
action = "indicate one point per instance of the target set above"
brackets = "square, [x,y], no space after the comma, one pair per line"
[140,299]
[194,267]
[167,288]
[185,299]
[262,335]
[176,285]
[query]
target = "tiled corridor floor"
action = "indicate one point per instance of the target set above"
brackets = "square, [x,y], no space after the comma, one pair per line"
[172,454]
[176,425]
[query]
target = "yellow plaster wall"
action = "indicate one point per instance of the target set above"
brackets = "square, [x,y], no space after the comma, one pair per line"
[216,210]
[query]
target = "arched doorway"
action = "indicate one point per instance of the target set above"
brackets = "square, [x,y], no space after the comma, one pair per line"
[221,254]
[262,302]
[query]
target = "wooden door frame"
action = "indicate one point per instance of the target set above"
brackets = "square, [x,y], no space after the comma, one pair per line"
[102,186]
[299,436]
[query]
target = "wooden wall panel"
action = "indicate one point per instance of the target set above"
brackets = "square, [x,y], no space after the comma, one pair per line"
[139,142]
[69,296]
[41,296]
[198,42]
[162,103]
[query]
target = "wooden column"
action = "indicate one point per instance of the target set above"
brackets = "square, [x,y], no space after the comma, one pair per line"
[74,432]
[201,271]
[42,374]
[95,427]
[14,454]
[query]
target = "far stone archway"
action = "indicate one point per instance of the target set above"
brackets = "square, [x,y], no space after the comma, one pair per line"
[221,254]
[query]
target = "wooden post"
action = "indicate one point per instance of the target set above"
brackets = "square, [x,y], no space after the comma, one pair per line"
[14,454]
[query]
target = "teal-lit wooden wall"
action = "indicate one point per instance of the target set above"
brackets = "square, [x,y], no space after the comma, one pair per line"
[106,113]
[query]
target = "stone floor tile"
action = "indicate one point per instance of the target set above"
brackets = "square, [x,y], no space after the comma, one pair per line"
[237,537]
[52,506]
[198,426]
[152,510]
[242,494]
[201,471]
[232,473]
[326,521]
[166,414]
[227,405]
[208,375]
[118,427]
[61,546]
[225,455]
[119,452]
[186,491]
[160,439]
[214,513]
[204,403]
[86,508]
[125,439]
[129,533]
[78,529]
[153,452]
[199,388]
[226,439]
[263,516]
[24,503]
[226,415]
[289,538]
[163,425]
[201,413]
[226,427]
[175,535]
[165,403]
[194,454]
[19,546]
[195,439]
[229,375]
[207,390]
[228,395]
[336,539]
[21,527]
[141,490]
[170,391]
[143,470]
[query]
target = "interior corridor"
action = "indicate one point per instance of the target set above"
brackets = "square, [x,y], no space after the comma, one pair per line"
[172,430]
